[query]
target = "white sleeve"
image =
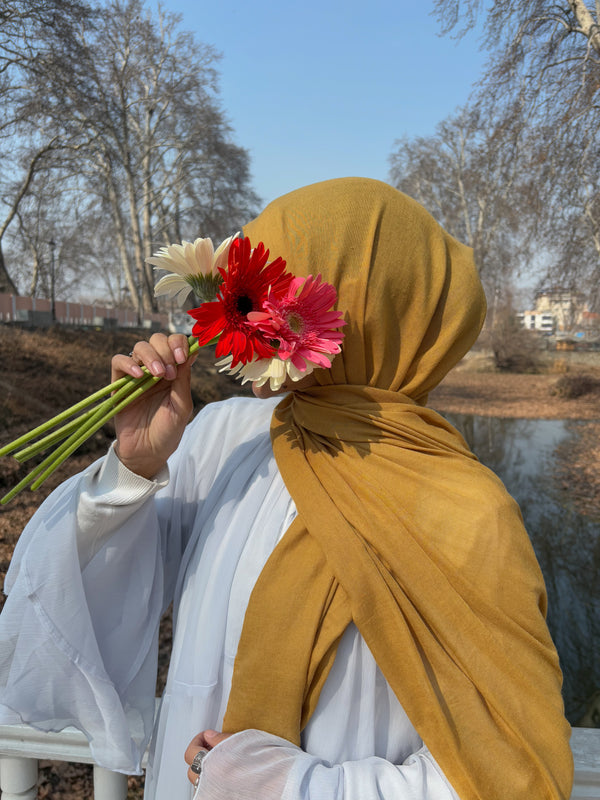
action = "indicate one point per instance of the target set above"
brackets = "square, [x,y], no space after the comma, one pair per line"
[108,497]
[255,764]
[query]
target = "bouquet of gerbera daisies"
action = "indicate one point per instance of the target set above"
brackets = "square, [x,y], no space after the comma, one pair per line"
[267,324]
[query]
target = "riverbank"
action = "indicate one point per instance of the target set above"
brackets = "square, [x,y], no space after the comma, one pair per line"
[474,387]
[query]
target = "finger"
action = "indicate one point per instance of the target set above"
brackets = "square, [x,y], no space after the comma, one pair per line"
[193,778]
[160,342]
[213,738]
[193,773]
[179,345]
[180,396]
[125,365]
[156,356]
[197,743]
[173,351]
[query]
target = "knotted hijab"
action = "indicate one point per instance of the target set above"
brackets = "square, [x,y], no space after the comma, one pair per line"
[399,528]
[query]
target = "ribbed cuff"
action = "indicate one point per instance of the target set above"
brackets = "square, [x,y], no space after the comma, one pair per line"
[107,499]
[120,486]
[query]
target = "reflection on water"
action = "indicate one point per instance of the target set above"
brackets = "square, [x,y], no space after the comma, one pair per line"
[520,452]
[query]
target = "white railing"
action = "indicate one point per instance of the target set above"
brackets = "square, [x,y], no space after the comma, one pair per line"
[22,746]
[585,743]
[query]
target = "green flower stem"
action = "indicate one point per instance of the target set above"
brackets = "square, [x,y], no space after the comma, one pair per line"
[106,412]
[87,401]
[52,438]
[22,484]
[124,391]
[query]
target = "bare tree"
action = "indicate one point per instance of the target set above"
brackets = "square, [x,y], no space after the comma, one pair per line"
[469,175]
[129,105]
[27,30]
[546,57]
[140,107]
[46,222]
[569,211]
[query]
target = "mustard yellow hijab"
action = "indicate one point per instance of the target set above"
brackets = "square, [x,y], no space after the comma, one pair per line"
[399,527]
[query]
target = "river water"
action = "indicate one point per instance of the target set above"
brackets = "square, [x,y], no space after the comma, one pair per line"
[567,544]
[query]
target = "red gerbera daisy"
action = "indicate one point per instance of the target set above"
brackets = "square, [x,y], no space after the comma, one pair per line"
[247,282]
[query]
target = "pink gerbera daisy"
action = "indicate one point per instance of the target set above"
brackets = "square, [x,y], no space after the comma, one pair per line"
[301,322]
[247,282]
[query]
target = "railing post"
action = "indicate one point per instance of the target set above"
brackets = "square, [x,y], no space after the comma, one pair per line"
[109,785]
[18,778]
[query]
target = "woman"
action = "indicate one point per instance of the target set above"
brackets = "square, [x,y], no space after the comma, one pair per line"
[359,612]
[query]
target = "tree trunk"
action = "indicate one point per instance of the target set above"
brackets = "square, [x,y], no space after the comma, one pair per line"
[130,277]
[6,284]
[35,274]
[587,23]
[136,240]
[147,201]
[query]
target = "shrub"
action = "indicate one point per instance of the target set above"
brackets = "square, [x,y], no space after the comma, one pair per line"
[515,349]
[576,385]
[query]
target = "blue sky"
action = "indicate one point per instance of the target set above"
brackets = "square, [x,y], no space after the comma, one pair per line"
[322,89]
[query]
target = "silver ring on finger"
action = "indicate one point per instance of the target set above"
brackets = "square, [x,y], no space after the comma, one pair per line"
[196,765]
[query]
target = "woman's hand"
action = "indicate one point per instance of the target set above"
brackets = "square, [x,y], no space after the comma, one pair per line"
[150,429]
[205,740]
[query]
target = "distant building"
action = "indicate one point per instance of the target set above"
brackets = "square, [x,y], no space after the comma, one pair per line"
[556,310]
[537,321]
[566,306]
[590,321]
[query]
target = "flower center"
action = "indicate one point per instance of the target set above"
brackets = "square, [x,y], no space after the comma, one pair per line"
[243,304]
[295,323]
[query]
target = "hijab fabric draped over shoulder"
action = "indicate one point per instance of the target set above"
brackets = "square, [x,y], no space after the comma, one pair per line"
[399,528]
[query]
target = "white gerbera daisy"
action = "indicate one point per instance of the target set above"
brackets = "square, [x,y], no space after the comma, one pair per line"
[261,370]
[192,266]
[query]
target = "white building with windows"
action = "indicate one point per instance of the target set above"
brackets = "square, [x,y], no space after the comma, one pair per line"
[556,310]
[537,321]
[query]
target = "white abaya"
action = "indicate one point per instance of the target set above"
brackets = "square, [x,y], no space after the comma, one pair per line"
[92,574]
